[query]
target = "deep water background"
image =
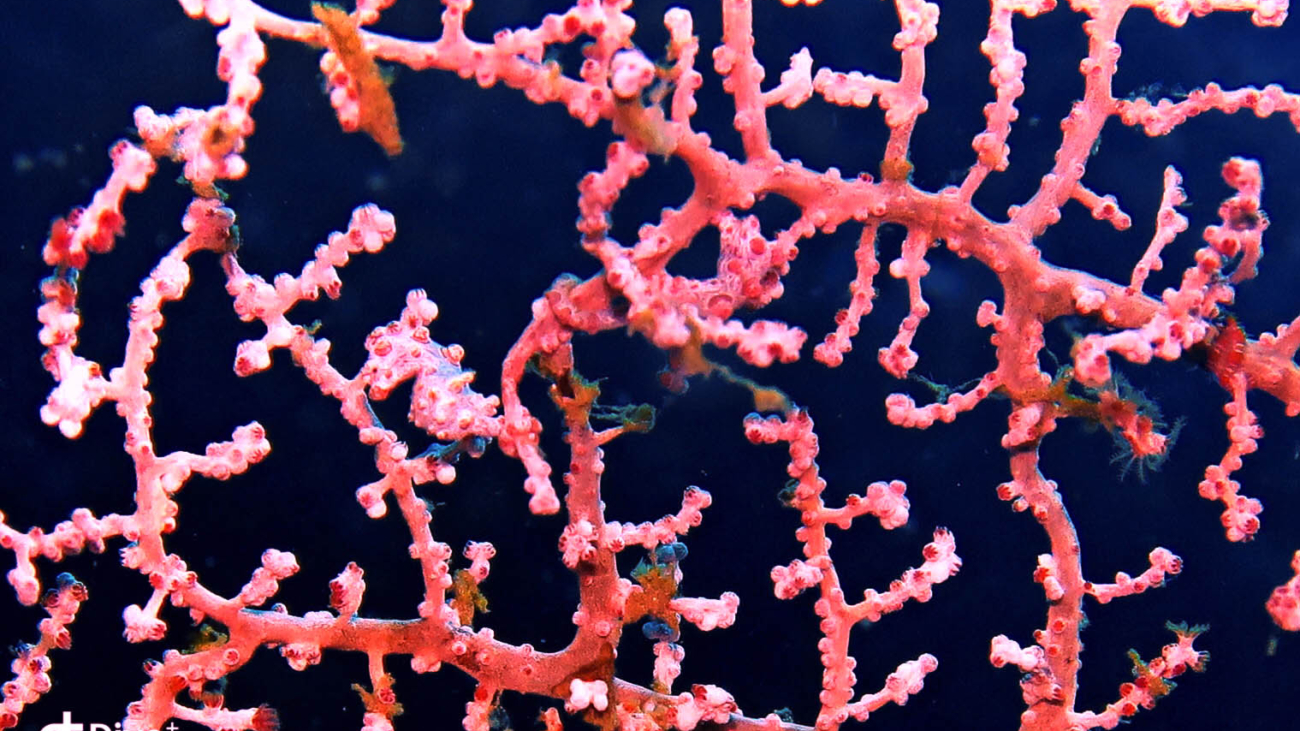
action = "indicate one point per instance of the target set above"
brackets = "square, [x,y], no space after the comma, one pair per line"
[485,197]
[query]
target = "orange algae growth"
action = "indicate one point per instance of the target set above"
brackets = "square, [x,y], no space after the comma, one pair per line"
[378,115]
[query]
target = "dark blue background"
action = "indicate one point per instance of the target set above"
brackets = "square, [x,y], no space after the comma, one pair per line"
[485,202]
